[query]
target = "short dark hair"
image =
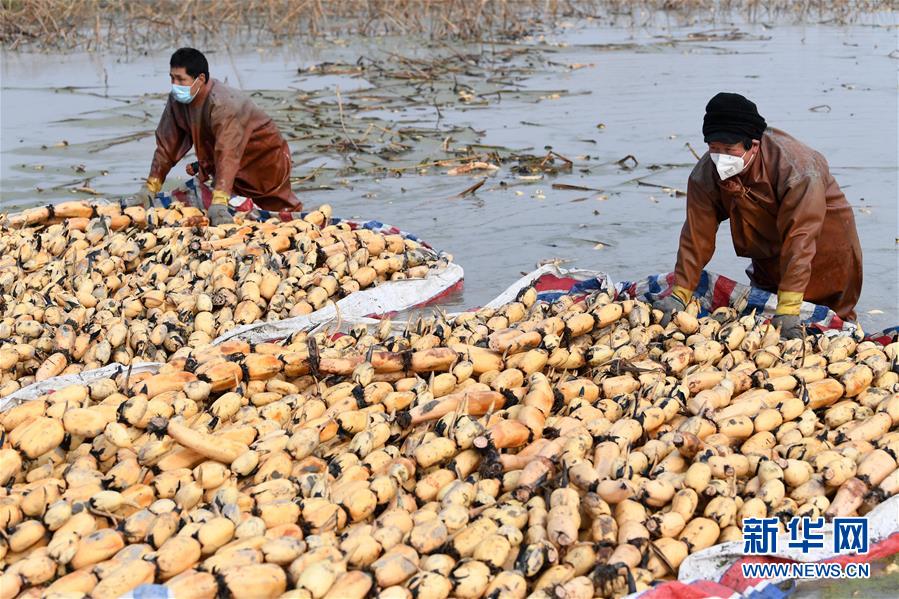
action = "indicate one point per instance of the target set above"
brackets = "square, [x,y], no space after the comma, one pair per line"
[191,60]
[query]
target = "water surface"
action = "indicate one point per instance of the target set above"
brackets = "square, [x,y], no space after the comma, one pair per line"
[642,94]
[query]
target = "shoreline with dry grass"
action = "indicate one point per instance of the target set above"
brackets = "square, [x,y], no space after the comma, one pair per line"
[98,25]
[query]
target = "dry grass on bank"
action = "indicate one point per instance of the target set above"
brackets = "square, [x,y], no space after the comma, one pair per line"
[98,24]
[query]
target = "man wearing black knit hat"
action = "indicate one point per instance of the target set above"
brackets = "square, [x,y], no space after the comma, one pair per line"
[786,213]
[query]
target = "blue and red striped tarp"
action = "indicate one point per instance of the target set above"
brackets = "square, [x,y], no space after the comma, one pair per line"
[713,291]
[732,584]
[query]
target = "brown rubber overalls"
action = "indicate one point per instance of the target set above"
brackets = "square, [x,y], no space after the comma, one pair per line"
[787,214]
[235,142]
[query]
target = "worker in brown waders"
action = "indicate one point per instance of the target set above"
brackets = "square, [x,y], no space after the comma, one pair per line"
[786,213]
[237,145]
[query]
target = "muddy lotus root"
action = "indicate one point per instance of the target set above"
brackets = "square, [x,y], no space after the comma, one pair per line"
[546,450]
[83,286]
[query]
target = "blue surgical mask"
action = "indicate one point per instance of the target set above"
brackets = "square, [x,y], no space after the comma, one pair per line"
[182,93]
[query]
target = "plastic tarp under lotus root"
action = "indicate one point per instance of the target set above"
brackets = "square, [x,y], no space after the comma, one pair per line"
[87,377]
[713,291]
[717,571]
[384,299]
[380,300]
[387,298]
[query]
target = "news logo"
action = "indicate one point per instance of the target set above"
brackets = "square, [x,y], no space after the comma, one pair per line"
[850,536]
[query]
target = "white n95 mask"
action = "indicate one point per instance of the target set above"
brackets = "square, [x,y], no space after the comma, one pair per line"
[728,165]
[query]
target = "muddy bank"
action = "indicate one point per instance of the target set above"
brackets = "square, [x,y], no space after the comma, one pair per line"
[591,93]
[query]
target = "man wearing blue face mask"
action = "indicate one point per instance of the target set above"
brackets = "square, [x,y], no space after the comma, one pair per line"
[787,214]
[237,145]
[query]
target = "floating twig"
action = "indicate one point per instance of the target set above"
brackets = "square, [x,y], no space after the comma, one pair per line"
[472,189]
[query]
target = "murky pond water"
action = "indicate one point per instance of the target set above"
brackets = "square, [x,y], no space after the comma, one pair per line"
[594,95]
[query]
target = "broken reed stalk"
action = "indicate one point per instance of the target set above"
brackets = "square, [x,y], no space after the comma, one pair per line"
[343,122]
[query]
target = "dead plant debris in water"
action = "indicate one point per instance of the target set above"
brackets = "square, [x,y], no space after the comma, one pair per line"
[390,126]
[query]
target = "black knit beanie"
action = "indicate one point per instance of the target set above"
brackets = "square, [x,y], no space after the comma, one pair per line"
[731,118]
